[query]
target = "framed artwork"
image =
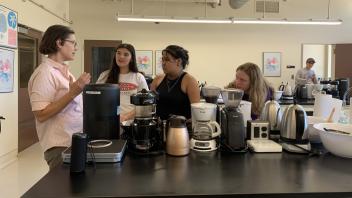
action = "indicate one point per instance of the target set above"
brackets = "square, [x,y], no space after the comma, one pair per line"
[158,62]
[8,27]
[272,64]
[145,61]
[7,59]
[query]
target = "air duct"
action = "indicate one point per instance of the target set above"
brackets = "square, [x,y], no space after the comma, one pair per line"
[235,4]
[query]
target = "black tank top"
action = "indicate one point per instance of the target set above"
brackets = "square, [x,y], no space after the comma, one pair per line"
[172,100]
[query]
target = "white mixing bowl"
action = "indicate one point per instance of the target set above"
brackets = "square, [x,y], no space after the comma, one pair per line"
[337,143]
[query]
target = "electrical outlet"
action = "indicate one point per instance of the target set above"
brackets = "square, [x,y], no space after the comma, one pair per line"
[292,76]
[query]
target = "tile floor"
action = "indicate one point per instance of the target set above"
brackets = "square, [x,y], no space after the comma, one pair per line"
[19,176]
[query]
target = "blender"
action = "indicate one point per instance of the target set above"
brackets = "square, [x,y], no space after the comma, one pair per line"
[205,130]
[232,124]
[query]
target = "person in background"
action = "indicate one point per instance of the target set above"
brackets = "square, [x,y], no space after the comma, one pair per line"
[256,89]
[124,71]
[176,88]
[306,75]
[55,94]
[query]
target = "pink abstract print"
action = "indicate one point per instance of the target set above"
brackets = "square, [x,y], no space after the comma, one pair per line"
[6,70]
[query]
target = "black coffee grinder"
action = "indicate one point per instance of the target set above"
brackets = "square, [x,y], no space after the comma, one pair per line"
[144,136]
[233,132]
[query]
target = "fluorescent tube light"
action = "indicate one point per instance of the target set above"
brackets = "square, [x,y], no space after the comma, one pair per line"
[288,22]
[162,20]
[229,21]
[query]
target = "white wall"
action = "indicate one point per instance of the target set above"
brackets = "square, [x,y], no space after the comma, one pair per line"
[215,50]
[34,17]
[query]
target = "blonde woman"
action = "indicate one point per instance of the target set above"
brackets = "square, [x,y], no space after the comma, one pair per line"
[256,89]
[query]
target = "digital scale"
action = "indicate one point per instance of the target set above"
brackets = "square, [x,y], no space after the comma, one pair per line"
[111,153]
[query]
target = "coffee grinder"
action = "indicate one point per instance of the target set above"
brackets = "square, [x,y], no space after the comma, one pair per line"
[206,130]
[211,95]
[232,124]
[144,136]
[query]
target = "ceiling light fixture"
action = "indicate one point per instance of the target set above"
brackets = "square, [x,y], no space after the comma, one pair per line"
[228,21]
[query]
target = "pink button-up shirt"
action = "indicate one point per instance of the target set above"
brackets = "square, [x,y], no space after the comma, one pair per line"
[48,83]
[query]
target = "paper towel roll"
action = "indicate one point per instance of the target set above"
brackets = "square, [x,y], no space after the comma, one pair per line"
[324,104]
[245,108]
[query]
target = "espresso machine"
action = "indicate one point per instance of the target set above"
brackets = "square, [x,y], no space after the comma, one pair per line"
[232,124]
[144,136]
[205,129]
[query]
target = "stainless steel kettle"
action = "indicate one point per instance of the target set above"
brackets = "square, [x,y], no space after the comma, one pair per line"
[177,141]
[287,90]
[294,125]
[273,114]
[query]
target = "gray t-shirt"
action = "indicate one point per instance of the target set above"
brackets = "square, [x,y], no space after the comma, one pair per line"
[304,76]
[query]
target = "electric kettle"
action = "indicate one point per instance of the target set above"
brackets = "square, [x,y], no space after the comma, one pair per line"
[177,141]
[294,125]
[287,91]
[273,114]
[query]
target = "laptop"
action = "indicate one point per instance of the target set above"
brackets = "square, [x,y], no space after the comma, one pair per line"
[112,153]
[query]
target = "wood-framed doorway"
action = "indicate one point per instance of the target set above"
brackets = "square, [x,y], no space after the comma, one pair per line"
[98,55]
[28,59]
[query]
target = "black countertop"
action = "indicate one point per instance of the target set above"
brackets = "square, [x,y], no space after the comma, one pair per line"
[205,174]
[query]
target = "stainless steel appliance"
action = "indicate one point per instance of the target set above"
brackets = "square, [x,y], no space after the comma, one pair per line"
[344,84]
[301,92]
[177,141]
[334,89]
[287,91]
[272,113]
[293,129]
[232,124]
[144,135]
[205,130]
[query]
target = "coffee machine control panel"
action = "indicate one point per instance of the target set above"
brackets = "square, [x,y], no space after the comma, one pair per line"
[257,129]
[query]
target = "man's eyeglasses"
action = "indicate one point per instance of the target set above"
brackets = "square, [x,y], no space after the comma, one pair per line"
[311,62]
[74,43]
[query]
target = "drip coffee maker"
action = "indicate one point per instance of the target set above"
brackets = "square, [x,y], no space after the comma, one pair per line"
[205,130]
[144,136]
[232,124]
